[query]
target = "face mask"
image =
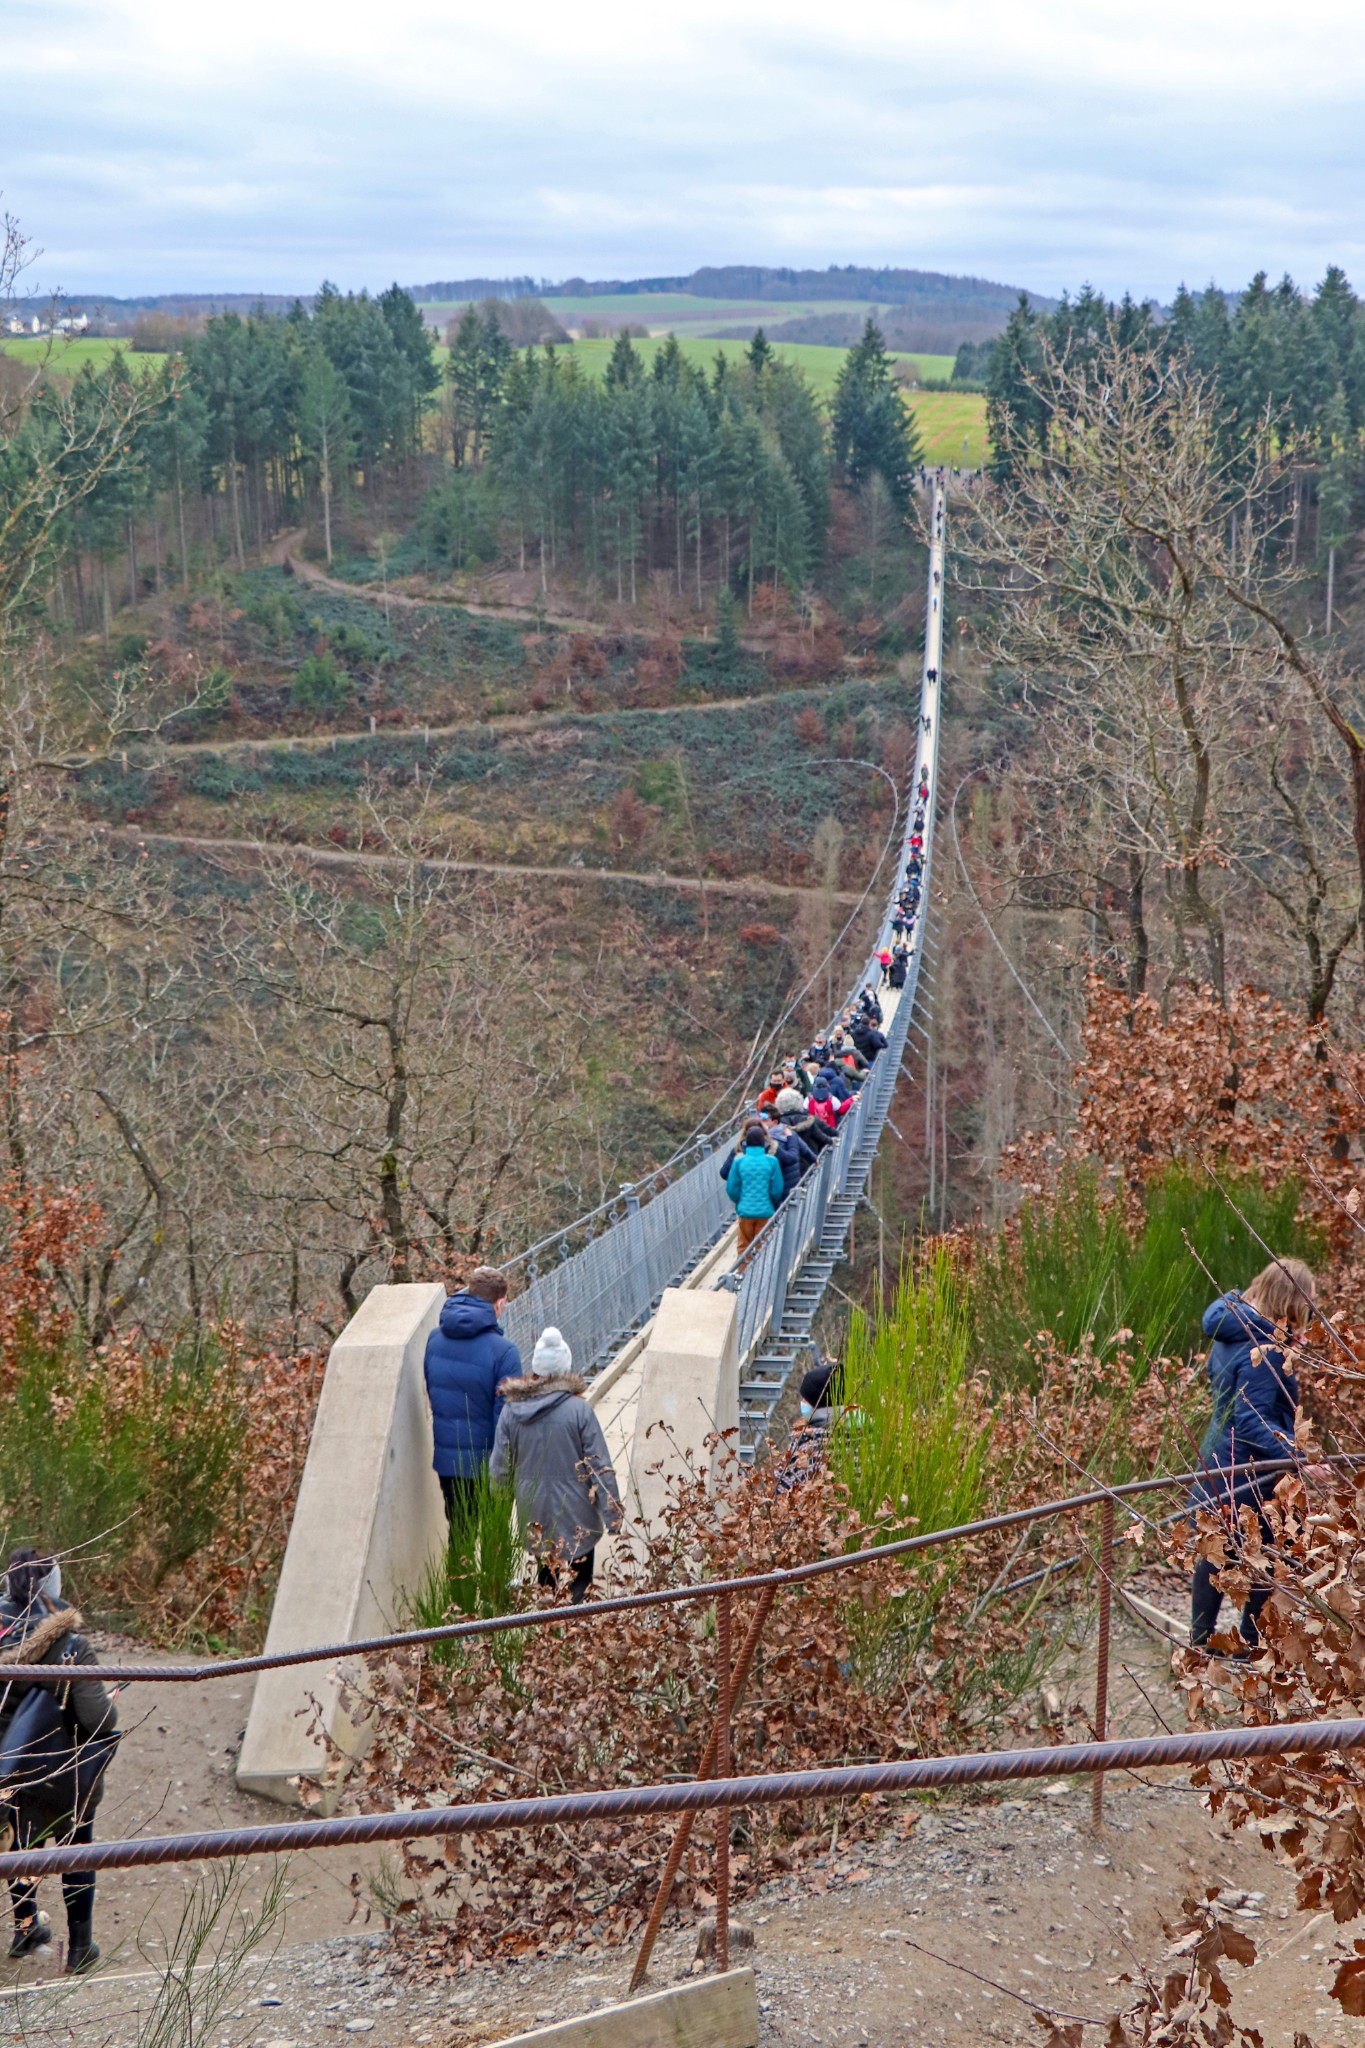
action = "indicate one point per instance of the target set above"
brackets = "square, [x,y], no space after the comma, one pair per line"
[48,1588]
[806,1411]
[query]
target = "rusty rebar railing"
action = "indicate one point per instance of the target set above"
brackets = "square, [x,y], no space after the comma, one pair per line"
[1102,1654]
[644,1802]
[677,1848]
[723,1771]
[665,1596]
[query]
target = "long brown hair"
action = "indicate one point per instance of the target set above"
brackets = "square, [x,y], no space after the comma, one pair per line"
[1283,1292]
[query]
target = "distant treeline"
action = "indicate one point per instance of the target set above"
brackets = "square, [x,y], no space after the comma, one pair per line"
[925,333]
[933,291]
[120,316]
[948,309]
[930,289]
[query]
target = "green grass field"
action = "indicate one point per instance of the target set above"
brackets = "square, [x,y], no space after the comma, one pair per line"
[681,312]
[944,418]
[70,356]
[821,365]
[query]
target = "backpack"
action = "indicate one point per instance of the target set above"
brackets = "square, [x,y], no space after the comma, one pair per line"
[51,1772]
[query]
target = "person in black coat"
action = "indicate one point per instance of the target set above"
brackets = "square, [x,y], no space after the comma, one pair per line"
[56,1741]
[794,1155]
[792,1111]
[865,1035]
[1255,1407]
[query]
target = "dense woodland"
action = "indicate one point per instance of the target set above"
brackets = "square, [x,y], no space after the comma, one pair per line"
[722,481]
[1282,365]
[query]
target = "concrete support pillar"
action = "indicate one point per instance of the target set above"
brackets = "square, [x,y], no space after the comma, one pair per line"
[689,1391]
[368,1523]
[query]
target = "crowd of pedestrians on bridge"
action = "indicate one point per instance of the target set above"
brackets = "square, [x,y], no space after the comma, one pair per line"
[807,1095]
[531,1429]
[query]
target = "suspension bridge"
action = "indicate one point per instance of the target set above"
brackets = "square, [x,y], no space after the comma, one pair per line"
[668,1322]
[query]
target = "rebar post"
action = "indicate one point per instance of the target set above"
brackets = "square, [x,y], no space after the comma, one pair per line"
[683,1832]
[723,1771]
[1102,1652]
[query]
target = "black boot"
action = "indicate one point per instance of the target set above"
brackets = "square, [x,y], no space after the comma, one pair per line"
[82,1952]
[33,1931]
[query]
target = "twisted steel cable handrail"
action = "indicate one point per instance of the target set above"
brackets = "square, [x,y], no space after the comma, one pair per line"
[643,1802]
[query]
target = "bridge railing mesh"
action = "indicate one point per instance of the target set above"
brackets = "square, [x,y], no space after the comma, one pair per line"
[601,1278]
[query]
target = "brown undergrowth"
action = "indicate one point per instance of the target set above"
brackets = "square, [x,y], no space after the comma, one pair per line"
[894,1658]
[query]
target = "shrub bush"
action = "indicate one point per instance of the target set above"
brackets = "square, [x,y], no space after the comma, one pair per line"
[213,777]
[477,1575]
[351,644]
[274,612]
[1075,1264]
[321,685]
[127,1462]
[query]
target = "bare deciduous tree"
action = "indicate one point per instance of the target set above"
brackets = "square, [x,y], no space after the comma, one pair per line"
[1141,596]
[401,1058]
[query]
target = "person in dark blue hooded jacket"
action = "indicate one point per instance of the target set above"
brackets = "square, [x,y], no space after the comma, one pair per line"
[1255,1406]
[467,1359]
[793,1154]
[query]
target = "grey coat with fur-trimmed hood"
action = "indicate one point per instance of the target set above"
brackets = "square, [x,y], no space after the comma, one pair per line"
[550,1445]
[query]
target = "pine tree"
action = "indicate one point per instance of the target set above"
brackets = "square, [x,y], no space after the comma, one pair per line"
[1178,338]
[476,372]
[872,432]
[1335,489]
[624,367]
[326,433]
[1017,411]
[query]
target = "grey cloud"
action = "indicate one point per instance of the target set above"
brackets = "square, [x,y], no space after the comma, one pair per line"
[787,150]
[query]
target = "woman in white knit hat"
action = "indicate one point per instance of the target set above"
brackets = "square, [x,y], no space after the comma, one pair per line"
[550,1445]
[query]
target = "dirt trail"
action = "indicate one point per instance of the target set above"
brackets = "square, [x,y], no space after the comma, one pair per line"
[281,551]
[340,856]
[503,721]
[872,1943]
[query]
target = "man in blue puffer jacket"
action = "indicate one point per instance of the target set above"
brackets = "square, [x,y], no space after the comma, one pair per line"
[1255,1406]
[467,1359]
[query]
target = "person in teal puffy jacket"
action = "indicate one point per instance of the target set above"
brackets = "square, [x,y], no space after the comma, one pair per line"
[754,1184]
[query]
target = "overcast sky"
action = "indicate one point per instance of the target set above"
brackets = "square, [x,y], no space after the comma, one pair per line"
[150,145]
